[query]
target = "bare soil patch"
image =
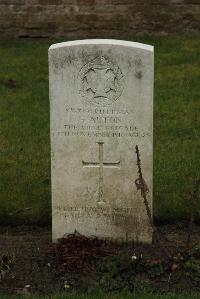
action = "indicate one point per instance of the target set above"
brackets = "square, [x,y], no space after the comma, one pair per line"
[30,264]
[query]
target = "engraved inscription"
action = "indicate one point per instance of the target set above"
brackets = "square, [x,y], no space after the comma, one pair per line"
[100,123]
[101,164]
[100,81]
[109,215]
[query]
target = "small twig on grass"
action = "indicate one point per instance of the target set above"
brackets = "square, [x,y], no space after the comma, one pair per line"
[194,209]
[20,211]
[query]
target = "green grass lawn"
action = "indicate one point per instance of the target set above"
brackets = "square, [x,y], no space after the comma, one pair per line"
[25,195]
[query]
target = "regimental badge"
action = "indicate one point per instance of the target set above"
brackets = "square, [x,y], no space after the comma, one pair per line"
[100,81]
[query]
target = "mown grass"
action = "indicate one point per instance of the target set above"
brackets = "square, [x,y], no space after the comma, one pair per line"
[25,195]
[107,296]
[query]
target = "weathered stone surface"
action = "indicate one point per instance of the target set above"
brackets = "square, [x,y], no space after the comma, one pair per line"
[98,18]
[101,101]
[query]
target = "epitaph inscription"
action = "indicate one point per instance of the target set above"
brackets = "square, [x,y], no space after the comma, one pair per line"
[101,102]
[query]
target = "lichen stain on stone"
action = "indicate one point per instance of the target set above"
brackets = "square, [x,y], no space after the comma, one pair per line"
[61,62]
[138,74]
[127,222]
[69,59]
[138,66]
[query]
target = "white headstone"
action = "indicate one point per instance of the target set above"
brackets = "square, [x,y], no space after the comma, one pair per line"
[101,102]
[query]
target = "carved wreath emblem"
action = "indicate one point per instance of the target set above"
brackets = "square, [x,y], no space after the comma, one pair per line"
[100,81]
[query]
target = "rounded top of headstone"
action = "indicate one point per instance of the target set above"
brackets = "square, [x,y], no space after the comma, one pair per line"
[102,42]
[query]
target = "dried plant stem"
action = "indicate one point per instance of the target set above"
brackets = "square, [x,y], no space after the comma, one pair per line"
[141,185]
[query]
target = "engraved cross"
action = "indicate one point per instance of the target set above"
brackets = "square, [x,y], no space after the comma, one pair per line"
[101,165]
